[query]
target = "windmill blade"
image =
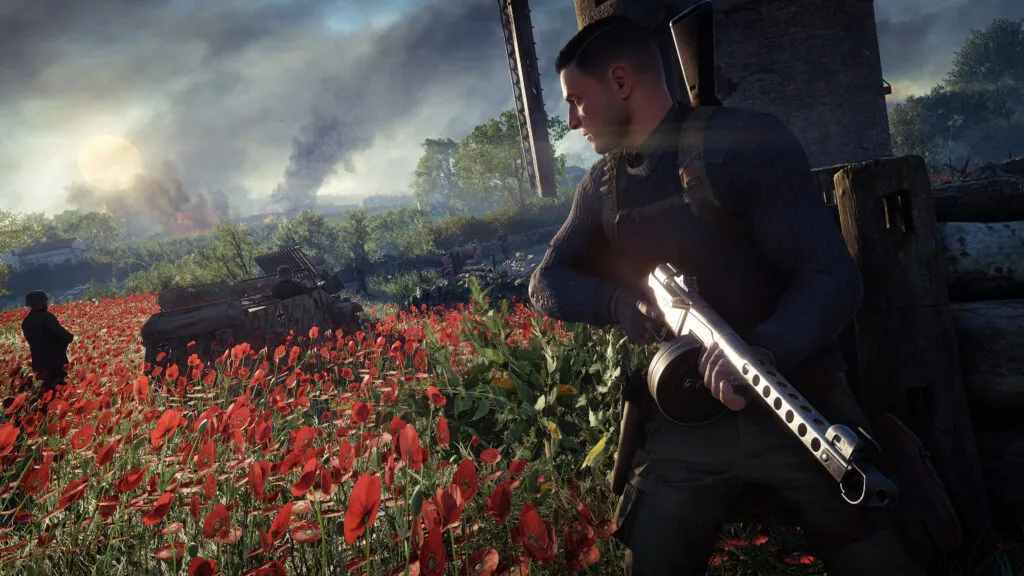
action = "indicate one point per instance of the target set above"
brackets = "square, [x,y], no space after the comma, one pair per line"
[533,120]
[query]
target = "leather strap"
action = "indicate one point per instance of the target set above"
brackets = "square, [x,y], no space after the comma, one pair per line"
[610,196]
[697,189]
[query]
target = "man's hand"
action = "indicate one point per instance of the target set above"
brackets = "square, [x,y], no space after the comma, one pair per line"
[724,381]
[641,320]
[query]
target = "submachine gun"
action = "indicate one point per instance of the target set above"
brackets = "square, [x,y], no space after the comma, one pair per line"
[844,453]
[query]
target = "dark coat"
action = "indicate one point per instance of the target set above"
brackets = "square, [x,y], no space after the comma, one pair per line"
[47,339]
[287,288]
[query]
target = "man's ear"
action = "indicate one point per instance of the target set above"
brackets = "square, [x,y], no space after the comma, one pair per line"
[621,78]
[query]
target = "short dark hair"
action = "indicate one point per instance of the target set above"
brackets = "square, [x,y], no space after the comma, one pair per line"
[593,49]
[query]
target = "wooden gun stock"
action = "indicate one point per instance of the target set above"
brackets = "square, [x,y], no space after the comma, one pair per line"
[631,430]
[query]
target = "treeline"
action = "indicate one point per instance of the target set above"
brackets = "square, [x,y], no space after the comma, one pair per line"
[481,174]
[976,114]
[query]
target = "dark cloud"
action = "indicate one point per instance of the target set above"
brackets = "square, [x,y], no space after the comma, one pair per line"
[920,42]
[262,87]
[155,202]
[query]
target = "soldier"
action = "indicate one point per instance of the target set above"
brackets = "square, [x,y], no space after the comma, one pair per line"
[47,340]
[784,281]
[502,240]
[286,287]
[362,268]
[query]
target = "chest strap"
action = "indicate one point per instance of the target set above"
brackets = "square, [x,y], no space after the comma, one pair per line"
[697,189]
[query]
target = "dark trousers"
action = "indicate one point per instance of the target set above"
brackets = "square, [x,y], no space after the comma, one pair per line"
[688,480]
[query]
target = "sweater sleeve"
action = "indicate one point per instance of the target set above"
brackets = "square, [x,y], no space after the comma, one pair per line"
[564,285]
[777,197]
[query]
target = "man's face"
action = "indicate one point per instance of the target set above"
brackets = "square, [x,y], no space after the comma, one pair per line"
[596,109]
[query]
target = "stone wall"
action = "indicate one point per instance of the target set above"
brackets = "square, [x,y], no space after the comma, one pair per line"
[813,63]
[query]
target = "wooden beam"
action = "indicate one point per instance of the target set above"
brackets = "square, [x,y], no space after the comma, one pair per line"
[906,348]
[990,341]
[989,200]
[984,261]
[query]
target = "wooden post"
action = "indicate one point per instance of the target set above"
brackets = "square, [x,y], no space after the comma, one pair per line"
[906,347]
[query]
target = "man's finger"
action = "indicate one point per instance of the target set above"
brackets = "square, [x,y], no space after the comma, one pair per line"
[648,309]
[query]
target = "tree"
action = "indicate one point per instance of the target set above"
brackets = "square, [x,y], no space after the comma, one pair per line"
[16,231]
[978,111]
[489,160]
[314,233]
[233,256]
[404,231]
[992,57]
[357,234]
[435,177]
[97,230]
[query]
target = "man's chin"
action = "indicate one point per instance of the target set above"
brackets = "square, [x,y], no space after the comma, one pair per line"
[601,147]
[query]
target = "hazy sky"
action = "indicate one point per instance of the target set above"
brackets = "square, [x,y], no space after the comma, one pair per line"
[230,92]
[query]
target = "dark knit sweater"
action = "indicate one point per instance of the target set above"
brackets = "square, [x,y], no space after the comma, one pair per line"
[789,285]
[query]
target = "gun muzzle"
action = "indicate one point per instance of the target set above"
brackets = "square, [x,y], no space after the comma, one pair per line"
[693,32]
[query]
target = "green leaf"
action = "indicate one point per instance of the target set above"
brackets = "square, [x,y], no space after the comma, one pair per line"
[462,403]
[482,409]
[531,480]
[492,355]
[417,500]
[595,452]
[517,430]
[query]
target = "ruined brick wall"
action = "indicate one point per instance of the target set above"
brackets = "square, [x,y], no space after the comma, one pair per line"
[814,63]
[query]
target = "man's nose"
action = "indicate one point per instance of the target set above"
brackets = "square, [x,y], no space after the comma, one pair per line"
[574,119]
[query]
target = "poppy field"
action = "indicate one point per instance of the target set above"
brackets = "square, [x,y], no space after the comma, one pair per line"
[475,440]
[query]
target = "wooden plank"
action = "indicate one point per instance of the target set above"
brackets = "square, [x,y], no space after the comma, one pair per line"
[990,200]
[906,347]
[990,341]
[984,261]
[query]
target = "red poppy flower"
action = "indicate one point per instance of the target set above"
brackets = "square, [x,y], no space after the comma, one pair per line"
[209,487]
[108,506]
[409,447]
[202,567]
[106,453]
[449,504]
[131,480]
[432,554]
[306,532]
[483,562]
[171,552]
[517,467]
[257,477]
[466,478]
[279,525]
[490,456]
[36,480]
[73,492]
[308,477]
[8,434]
[362,506]
[441,431]
[435,396]
[537,536]
[207,455]
[166,426]
[83,437]
[500,502]
[160,509]
[217,522]
[361,412]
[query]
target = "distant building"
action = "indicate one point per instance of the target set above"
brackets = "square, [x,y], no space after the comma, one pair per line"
[52,253]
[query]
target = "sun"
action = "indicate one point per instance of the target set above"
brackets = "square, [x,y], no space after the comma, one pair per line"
[109,162]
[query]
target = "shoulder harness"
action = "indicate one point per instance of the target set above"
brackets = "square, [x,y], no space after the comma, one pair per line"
[697,189]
